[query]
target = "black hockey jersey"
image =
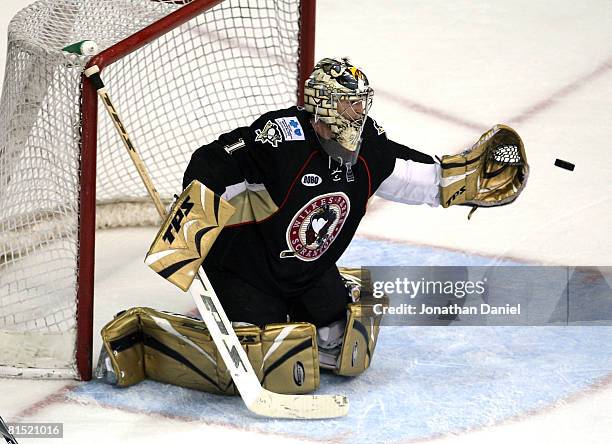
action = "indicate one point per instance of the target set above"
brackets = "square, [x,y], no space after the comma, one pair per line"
[297,209]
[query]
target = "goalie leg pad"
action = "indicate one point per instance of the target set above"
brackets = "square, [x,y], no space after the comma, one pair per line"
[360,337]
[360,334]
[142,343]
[290,358]
[122,349]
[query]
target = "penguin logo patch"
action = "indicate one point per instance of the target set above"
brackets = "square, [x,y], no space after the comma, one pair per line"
[269,134]
[315,226]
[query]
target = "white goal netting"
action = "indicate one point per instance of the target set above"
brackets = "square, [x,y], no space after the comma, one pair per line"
[215,72]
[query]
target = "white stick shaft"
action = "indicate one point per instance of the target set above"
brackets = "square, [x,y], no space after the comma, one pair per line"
[225,338]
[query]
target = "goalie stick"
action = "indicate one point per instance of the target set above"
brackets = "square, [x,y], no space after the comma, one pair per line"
[257,399]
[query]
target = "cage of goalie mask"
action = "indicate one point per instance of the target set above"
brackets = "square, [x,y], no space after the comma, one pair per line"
[332,81]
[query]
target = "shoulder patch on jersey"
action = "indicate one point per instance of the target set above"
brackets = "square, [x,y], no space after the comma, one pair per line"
[379,129]
[269,134]
[290,128]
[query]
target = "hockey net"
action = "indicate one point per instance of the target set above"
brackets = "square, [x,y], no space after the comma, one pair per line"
[223,66]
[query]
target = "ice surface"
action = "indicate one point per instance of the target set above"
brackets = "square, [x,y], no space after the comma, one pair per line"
[424,381]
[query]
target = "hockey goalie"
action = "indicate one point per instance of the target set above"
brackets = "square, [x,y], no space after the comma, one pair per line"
[267,210]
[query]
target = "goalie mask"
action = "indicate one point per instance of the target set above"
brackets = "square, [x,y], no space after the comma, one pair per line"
[338,94]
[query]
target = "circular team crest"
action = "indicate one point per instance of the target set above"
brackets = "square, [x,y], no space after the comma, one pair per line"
[316,225]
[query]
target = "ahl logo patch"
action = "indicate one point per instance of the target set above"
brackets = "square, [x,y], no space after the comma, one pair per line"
[291,128]
[269,134]
[316,225]
[311,180]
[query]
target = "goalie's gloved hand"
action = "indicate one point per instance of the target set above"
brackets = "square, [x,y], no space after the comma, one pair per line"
[492,172]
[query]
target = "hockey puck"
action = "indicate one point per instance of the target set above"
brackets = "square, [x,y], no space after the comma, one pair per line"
[565,165]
